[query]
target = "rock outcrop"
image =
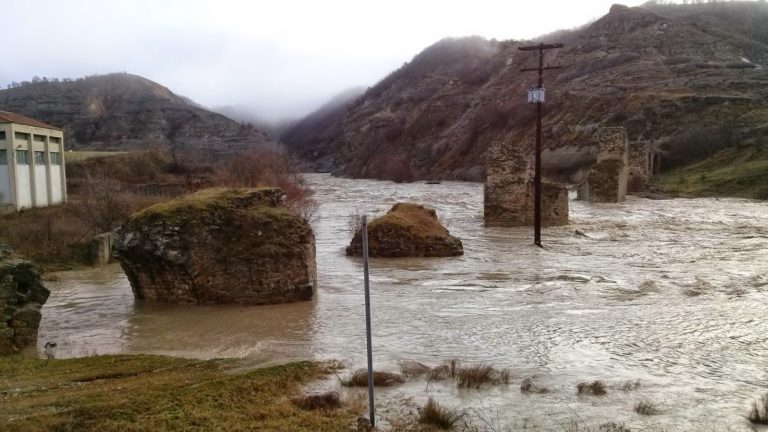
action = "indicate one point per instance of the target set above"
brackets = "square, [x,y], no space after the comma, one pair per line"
[407,230]
[22,295]
[219,246]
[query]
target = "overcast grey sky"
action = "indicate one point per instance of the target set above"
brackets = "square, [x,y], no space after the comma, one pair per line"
[283,58]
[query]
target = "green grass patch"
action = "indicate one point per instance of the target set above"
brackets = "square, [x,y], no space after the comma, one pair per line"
[156,393]
[733,172]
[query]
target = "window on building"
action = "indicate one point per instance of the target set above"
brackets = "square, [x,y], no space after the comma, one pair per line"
[3,157]
[21,157]
[55,140]
[21,136]
[39,158]
[39,138]
[55,158]
[2,135]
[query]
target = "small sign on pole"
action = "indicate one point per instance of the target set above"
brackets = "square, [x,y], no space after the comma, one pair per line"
[364,233]
[536,95]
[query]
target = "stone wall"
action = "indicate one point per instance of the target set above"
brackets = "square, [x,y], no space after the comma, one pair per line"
[509,191]
[640,165]
[607,180]
[22,296]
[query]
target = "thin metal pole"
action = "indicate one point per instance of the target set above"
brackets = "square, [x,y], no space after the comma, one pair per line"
[371,409]
[537,172]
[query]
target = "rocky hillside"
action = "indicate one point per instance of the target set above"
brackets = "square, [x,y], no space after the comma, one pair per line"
[324,120]
[683,76]
[123,111]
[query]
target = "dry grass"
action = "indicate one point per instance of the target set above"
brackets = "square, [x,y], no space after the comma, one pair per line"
[434,414]
[759,412]
[646,407]
[439,373]
[418,220]
[504,376]
[594,388]
[629,385]
[325,401]
[529,386]
[444,370]
[473,376]
[412,369]
[359,378]
[605,427]
[468,376]
[155,393]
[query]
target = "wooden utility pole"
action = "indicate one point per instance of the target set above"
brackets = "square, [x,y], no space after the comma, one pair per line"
[537,96]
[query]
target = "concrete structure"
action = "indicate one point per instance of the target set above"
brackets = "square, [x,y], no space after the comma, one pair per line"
[102,246]
[32,170]
[508,200]
[607,180]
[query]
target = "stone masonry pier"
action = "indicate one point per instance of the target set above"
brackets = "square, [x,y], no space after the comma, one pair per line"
[607,180]
[509,192]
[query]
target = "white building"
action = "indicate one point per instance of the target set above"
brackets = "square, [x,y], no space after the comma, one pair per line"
[31,163]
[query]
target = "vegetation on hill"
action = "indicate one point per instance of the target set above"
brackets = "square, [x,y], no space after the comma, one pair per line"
[733,172]
[126,112]
[663,72]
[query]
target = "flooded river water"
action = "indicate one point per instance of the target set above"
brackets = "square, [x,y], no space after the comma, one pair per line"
[672,292]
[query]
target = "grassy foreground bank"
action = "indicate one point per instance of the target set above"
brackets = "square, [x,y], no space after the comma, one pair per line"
[155,393]
[733,172]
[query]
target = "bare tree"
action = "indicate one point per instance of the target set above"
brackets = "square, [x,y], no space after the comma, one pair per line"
[103,205]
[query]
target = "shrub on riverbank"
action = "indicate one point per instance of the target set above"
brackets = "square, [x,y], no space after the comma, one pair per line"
[646,407]
[359,378]
[141,392]
[434,414]
[326,401]
[594,388]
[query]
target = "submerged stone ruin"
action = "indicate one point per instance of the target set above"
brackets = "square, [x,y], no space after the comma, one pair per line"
[607,180]
[219,246]
[22,296]
[509,193]
[407,230]
[641,161]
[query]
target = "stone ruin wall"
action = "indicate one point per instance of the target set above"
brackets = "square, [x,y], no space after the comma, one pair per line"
[640,165]
[509,191]
[607,180]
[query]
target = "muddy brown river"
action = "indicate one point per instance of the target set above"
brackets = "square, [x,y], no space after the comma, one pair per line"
[673,293]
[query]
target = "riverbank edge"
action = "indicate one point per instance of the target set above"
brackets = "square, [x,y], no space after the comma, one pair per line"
[159,393]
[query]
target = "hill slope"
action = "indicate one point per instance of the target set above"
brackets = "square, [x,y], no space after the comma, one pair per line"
[123,111]
[658,71]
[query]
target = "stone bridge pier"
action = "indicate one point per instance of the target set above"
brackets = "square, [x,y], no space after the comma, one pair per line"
[607,180]
[641,164]
[509,194]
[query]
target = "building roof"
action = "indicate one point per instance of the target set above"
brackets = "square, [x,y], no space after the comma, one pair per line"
[9,117]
